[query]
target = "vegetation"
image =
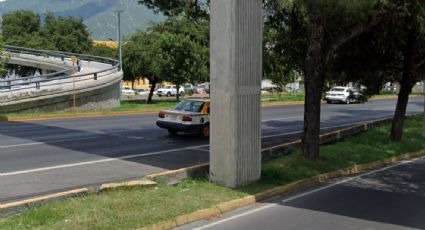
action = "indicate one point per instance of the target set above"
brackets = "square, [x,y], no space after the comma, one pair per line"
[141,206]
[175,50]
[25,28]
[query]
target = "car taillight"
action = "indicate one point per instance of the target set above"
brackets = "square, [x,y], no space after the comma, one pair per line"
[187,118]
[161,115]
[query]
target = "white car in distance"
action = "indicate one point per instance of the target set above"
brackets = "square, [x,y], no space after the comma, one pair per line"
[126,90]
[339,94]
[170,90]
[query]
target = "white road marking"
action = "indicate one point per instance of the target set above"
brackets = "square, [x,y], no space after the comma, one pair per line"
[282,119]
[304,194]
[97,161]
[47,142]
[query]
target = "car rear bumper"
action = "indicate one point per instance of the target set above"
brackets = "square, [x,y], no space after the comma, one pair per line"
[187,128]
[336,98]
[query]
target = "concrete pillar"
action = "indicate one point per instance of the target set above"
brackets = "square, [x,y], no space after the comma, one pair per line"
[236,69]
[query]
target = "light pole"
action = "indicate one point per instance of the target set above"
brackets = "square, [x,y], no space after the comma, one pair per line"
[119,39]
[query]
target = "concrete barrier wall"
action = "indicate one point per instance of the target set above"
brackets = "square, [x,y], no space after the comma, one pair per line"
[56,95]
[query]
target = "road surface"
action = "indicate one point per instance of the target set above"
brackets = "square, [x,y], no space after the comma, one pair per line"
[38,157]
[391,198]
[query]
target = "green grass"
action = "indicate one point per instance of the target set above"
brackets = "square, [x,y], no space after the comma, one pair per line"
[138,207]
[126,106]
[283,98]
[138,106]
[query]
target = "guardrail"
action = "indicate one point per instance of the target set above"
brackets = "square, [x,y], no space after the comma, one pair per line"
[67,75]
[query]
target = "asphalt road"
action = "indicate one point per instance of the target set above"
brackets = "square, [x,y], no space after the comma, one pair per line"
[45,156]
[389,198]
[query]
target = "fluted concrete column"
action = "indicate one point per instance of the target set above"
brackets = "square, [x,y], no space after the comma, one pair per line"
[236,69]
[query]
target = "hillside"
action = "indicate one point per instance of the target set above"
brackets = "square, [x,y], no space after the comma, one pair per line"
[98,15]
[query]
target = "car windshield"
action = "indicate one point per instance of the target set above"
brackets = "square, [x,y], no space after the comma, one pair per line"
[338,89]
[168,87]
[190,106]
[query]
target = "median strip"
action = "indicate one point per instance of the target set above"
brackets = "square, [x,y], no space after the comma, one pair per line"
[140,207]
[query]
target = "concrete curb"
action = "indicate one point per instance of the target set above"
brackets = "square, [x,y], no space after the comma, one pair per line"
[298,185]
[99,114]
[15,206]
[175,176]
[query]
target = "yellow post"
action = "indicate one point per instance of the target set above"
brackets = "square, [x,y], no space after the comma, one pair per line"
[74,59]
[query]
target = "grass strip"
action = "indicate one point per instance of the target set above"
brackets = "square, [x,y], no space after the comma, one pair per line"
[138,207]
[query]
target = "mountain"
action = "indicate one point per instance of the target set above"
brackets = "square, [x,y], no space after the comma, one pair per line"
[99,15]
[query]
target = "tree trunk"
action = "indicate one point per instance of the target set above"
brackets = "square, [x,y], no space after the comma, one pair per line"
[405,89]
[178,92]
[314,72]
[153,82]
[423,123]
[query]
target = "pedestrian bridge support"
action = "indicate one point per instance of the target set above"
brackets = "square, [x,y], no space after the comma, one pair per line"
[236,69]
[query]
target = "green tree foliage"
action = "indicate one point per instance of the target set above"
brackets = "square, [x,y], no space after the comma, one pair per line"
[24,28]
[175,50]
[21,28]
[193,9]
[104,51]
[181,59]
[311,34]
[67,34]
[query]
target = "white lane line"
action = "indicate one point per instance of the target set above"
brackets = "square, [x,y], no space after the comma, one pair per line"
[47,142]
[304,194]
[326,127]
[282,119]
[97,161]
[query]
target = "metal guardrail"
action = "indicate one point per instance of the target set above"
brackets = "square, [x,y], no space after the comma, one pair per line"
[56,78]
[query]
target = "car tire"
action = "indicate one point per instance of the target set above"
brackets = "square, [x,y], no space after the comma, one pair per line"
[172,132]
[190,93]
[168,94]
[181,94]
[205,131]
[347,101]
[329,102]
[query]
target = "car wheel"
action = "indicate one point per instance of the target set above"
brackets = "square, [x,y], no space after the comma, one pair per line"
[329,102]
[190,93]
[181,94]
[347,101]
[205,132]
[172,132]
[168,94]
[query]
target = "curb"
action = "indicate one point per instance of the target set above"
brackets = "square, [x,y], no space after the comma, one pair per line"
[172,177]
[222,208]
[99,114]
[15,206]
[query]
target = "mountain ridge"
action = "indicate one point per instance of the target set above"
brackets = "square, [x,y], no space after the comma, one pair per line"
[99,15]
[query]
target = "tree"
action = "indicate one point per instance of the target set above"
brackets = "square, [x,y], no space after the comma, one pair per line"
[412,37]
[104,51]
[68,34]
[21,28]
[24,28]
[181,59]
[330,25]
[140,58]
[194,9]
